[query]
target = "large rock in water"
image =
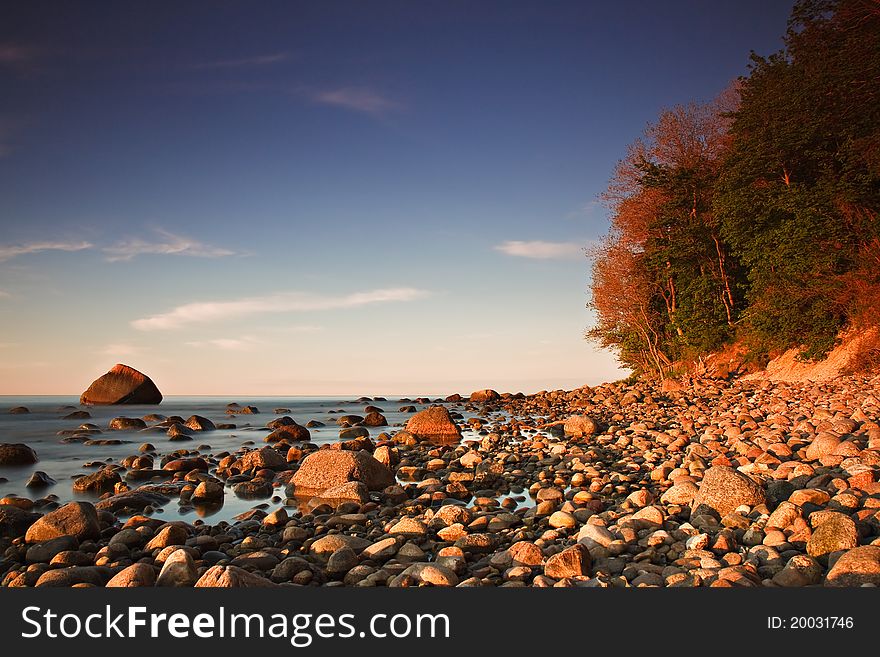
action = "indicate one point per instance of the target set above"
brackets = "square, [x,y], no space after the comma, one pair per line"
[482,396]
[16,454]
[723,489]
[122,385]
[327,468]
[434,421]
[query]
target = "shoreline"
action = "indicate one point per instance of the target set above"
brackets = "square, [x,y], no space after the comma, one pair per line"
[714,484]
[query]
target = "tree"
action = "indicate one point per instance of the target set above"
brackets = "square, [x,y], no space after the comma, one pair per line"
[680,275]
[798,194]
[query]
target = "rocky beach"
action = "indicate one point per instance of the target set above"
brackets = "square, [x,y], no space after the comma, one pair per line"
[695,483]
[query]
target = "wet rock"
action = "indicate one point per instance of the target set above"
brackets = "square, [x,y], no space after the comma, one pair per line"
[289,432]
[352,433]
[253,489]
[208,492]
[126,423]
[375,419]
[16,454]
[199,423]
[40,480]
[121,385]
[134,500]
[103,481]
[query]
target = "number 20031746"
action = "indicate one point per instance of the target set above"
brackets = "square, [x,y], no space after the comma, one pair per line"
[810,623]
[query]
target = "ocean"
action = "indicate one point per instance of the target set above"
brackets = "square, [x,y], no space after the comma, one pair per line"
[65,461]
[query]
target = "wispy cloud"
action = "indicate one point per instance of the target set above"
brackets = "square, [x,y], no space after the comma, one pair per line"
[357,99]
[212,311]
[5,295]
[119,349]
[13,251]
[541,250]
[244,62]
[245,343]
[167,244]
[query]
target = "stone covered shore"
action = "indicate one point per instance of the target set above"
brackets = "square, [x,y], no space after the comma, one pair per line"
[711,484]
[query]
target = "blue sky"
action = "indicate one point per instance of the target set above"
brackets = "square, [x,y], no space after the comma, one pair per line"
[327,198]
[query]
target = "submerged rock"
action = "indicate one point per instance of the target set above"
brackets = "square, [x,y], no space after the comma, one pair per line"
[16,454]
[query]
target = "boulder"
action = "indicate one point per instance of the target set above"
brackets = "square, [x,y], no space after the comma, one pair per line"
[78,519]
[375,419]
[433,421]
[14,522]
[484,396]
[121,385]
[199,423]
[40,480]
[231,577]
[17,454]
[103,481]
[327,468]
[179,570]
[350,491]
[134,499]
[431,574]
[125,423]
[265,457]
[836,531]
[855,567]
[290,432]
[580,425]
[137,574]
[571,562]
[723,489]
[208,492]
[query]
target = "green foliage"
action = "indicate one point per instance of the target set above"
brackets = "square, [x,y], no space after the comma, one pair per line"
[800,163]
[766,230]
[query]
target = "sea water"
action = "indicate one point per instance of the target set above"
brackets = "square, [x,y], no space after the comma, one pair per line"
[64,462]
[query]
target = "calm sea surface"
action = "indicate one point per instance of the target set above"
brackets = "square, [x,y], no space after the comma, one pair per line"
[66,461]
